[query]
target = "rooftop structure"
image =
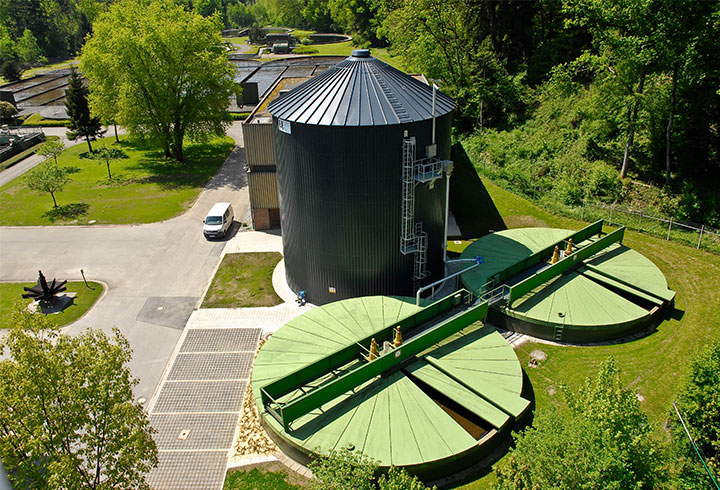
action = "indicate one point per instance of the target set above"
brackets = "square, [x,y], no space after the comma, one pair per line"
[419,403]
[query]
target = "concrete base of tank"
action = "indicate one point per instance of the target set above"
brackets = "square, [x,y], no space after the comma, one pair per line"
[580,334]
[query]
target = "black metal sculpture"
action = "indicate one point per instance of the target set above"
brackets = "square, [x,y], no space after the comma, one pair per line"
[43,291]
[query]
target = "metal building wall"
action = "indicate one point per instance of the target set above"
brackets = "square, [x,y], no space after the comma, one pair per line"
[263,188]
[340,206]
[259,144]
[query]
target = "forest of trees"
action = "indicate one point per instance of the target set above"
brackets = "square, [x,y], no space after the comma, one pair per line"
[581,99]
[611,100]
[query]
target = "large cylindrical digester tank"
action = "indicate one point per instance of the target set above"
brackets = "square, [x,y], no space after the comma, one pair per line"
[339,146]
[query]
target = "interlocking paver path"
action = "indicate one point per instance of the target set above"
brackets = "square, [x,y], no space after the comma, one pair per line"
[198,405]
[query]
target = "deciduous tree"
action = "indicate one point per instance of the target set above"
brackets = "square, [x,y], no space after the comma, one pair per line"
[51,148]
[7,112]
[449,40]
[346,470]
[603,440]
[28,50]
[68,419]
[166,68]
[47,177]
[625,51]
[699,405]
[106,155]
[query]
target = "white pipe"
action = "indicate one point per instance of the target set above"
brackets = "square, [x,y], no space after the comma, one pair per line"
[436,283]
[435,87]
[447,214]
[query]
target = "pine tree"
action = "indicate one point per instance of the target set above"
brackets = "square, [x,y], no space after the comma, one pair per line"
[82,125]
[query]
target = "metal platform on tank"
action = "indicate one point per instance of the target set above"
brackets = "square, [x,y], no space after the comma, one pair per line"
[440,411]
[611,294]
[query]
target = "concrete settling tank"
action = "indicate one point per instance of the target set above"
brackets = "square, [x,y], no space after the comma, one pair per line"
[601,290]
[436,404]
[362,154]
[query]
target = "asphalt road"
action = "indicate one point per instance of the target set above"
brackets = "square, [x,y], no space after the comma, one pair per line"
[155,273]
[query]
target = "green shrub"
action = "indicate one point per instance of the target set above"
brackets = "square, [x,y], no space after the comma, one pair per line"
[258,480]
[305,50]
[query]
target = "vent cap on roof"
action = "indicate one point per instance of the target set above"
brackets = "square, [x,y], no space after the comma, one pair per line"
[360,91]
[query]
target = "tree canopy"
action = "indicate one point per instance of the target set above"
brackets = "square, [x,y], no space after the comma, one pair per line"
[352,470]
[160,72]
[68,419]
[51,148]
[603,441]
[47,177]
[699,405]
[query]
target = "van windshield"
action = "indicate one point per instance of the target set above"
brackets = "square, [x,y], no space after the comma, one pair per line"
[213,220]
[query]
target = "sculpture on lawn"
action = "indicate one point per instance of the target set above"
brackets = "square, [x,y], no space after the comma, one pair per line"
[44,292]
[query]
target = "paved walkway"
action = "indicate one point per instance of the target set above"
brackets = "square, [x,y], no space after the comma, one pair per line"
[199,401]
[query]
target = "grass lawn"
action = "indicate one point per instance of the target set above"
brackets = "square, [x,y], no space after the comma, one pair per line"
[23,155]
[236,40]
[270,476]
[244,280]
[55,66]
[36,120]
[345,49]
[656,365]
[10,294]
[300,33]
[145,187]
[40,69]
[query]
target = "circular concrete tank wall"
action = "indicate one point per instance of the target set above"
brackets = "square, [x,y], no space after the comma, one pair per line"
[439,413]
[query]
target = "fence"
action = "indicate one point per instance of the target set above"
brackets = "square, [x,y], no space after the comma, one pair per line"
[694,235]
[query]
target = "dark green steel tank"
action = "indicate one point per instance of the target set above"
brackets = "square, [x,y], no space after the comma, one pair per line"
[339,148]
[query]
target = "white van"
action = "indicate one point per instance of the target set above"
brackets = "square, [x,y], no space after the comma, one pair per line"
[218,220]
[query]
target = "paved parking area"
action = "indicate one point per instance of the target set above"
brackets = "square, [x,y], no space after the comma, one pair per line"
[155,273]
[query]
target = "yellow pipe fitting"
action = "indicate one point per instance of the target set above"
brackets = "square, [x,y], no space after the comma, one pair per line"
[374,353]
[397,342]
[556,255]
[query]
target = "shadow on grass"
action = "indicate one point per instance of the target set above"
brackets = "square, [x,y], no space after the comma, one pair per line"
[67,211]
[202,162]
[677,314]
[117,181]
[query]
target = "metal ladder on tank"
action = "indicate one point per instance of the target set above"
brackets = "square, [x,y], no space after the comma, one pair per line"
[413,239]
[420,271]
[408,242]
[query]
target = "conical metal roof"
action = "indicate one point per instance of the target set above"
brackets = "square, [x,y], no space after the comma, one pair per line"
[360,91]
